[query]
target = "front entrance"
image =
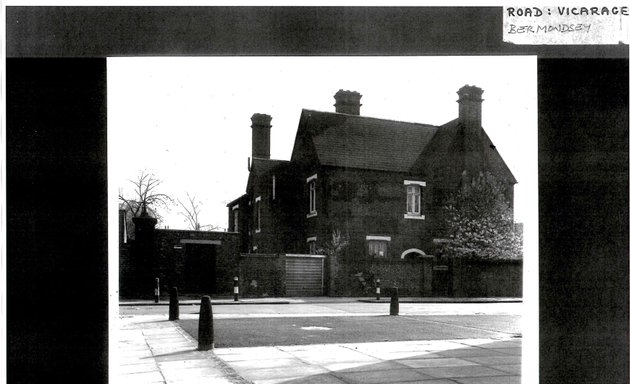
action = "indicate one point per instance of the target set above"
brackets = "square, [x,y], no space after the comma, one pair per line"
[442,277]
[200,268]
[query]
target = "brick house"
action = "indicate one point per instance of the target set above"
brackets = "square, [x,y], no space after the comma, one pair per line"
[378,182]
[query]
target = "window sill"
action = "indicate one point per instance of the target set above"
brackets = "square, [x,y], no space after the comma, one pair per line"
[414,216]
[312,214]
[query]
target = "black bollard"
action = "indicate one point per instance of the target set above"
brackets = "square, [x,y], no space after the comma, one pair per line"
[206,328]
[173,305]
[378,289]
[393,304]
[235,288]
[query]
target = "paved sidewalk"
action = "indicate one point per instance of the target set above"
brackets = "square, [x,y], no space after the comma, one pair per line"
[462,361]
[153,350]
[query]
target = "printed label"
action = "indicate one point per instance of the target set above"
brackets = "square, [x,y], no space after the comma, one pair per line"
[565,25]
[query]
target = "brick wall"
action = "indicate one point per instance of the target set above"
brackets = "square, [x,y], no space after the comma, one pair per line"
[262,275]
[168,262]
[358,277]
[488,279]
[171,253]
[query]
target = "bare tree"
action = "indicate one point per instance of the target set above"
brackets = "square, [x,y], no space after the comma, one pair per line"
[192,209]
[145,197]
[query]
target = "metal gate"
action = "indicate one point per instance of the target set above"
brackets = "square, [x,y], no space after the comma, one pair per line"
[305,275]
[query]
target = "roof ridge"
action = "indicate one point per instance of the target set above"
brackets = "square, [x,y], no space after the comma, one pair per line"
[372,118]
[263,159]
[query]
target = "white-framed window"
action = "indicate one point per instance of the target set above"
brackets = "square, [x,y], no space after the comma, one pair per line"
[235,215]
[312,245]
[414,199]
[378,246]
[312,195]
[257,214]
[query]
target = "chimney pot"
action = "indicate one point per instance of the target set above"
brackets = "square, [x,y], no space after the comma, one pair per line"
[470,106]
[348,102]
[261,136]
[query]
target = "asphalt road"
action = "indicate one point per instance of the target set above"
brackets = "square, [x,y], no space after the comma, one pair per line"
[334,309]
[247,325]
[250,332]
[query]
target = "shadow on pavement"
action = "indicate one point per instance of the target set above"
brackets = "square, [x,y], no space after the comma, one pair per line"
[182,352]
[463,362]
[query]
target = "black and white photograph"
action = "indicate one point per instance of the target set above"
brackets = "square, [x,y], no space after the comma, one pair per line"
[315,194]
[339,185]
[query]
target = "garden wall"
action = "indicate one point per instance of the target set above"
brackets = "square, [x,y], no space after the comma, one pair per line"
[358,277]
[488,278]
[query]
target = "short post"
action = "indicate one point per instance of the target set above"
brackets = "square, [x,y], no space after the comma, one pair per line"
[393,304]
[206,327]
[235,288]
[173,305]
[156,290]
[378,289]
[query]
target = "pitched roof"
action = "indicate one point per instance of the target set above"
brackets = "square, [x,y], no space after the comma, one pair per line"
[354,141]
[261,167]
[236,201]
[452,150]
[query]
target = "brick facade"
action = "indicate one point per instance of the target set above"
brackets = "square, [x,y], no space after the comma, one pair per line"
[380,183]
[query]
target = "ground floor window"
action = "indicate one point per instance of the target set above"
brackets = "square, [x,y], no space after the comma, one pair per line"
[378,246]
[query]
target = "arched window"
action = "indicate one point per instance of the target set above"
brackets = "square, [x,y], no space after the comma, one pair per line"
[412,253]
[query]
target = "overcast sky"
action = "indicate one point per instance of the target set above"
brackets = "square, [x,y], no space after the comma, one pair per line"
[187,120]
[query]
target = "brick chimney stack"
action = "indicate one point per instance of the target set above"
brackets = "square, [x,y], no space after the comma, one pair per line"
[470,106]
[348,102]
[261,136]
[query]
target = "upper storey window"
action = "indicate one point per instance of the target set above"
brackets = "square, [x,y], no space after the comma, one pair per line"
[312,195]
[414,199]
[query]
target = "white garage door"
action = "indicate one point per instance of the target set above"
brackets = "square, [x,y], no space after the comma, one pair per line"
[305,275]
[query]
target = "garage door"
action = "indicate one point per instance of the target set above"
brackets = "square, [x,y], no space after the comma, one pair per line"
[305,275]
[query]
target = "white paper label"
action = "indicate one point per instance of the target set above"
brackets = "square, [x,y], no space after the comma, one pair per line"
[562,25]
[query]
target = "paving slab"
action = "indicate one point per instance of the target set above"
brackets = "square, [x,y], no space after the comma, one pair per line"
[461,371]
[471,352]
[436,362]
[433,361]
[152,350]
[436,381]
[495,360]
[386,376]
[301,371]
[363,366]
[490,380]
[514,369]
